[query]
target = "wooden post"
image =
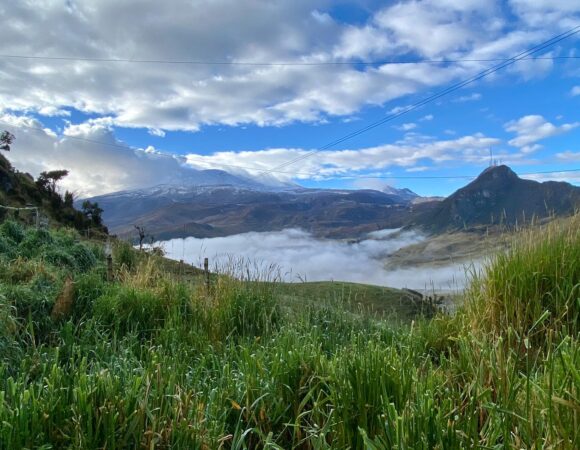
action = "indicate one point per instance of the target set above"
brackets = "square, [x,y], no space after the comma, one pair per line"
[206,273]
[109,255]
[109,268]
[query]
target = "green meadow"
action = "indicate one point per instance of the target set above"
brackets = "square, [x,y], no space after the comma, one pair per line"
[152,359]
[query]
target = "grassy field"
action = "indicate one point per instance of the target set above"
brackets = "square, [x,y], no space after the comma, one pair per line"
[153,360]
[390,304]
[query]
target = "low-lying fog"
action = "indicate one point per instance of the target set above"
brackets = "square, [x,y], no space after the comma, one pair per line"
[302,257]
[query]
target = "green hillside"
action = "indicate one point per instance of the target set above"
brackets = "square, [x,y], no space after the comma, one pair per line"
[153,359]
[21,190]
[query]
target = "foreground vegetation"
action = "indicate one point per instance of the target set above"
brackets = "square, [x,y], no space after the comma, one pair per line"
[153,360]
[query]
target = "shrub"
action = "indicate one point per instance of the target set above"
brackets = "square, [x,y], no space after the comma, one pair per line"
[12,230]
[7,247]
[125,255]
[60,258]
[84,257]
[34,242]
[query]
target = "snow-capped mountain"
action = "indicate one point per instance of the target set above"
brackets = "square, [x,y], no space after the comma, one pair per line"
[219,203]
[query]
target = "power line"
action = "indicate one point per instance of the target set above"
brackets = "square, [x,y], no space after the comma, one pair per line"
[276,64]
[520,56]
[261,170]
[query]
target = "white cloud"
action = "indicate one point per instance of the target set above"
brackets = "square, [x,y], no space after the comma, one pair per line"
[427,118]
[406,126]
[99,163]
[105,165]
[188,96]
[156,132]
[533,128]
[568,177]
[538,12]
[407,153]
[417,169]
[569,156]
[468,98]
[300,256]
[575,91]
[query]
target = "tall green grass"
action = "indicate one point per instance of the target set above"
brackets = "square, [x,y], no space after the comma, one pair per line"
[534,287]
[150,360]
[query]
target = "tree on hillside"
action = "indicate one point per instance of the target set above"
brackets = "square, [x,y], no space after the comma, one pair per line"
[141,232]
[6,140]
[47,180]
[69,199]
[93,212]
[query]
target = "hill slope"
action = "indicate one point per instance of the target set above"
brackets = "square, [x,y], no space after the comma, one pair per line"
[499,196]
[19,190]
[208,211]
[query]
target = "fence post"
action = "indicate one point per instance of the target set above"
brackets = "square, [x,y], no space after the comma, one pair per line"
[109,254]
[206,273]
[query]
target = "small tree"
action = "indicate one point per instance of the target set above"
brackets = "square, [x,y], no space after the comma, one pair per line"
[6,140]
[93,212]
[69,199]
[141,232]
[47,180]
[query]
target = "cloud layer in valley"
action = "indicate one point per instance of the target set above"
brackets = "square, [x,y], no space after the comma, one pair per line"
[300,256]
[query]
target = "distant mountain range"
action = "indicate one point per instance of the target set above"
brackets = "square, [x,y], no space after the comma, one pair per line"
[499,197]
[169,211]
[221,204]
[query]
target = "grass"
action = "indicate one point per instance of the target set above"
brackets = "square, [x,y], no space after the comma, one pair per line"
[389,303]
[153,360]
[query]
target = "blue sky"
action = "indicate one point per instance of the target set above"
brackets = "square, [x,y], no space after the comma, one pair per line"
[219,116]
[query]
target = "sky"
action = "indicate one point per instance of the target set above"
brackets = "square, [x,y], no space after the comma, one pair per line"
[215,84]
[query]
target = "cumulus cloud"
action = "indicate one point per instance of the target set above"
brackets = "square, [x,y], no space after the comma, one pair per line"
[537,12]
[533,128]
[300,256]
[575,91]
[99,163]
[407,126]
[407,153]
[96,160]
[187,96]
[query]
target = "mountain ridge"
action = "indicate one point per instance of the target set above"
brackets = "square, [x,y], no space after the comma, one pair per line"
[499,197]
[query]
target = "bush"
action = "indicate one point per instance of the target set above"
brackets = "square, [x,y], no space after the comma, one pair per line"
[125,255]
[84,257]
[60,258]
[34,242]
[7,247]
[12,230]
